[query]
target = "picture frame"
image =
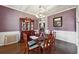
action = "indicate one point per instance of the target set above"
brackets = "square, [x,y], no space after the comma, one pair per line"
[57,22]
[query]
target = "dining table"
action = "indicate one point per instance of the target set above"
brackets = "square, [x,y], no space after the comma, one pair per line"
[39,39]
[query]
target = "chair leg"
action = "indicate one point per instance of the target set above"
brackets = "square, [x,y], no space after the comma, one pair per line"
[54,49]
[26,51]
[40,50]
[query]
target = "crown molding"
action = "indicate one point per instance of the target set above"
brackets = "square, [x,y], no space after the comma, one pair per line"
[62,11]
[35,14]
[18,9]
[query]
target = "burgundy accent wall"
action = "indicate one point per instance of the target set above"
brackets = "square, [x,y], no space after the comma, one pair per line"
[9,19]
[68,20]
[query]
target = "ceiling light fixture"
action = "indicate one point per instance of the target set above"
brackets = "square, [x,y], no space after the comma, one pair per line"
[40,14]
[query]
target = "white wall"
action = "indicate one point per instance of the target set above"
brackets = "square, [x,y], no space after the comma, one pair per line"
[78,37]
[2,37]
[77,25]
[67,36]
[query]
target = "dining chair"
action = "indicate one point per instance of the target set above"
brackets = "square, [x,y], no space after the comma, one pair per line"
[28,46]
[47,31]
[48,44]
[53,37]
[36,31]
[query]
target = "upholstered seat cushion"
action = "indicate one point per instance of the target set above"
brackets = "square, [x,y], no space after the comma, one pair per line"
[34,46]
[42,44]
[31,43]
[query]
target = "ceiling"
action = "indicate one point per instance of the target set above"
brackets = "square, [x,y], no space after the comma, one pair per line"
[45,9]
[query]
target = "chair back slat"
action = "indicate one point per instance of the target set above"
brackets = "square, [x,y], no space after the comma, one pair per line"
[49,42]
[25,42]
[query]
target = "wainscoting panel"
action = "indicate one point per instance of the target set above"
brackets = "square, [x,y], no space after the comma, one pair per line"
[68,36]
[9,37]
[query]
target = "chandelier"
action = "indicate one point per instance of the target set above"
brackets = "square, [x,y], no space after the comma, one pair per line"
[41,10]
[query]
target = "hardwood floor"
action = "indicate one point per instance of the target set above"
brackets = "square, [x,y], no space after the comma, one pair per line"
[15,49]
[61,48]
[9,49]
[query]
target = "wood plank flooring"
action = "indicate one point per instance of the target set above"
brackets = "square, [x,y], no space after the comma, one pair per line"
[15,49]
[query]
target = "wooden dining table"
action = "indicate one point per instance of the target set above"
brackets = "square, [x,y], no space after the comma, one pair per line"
[38,39]
[41,39]
[35,38]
